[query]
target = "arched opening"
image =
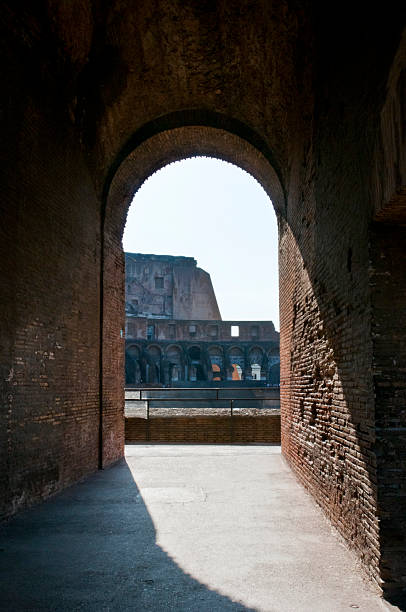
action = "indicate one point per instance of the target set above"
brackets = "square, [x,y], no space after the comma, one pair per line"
[153,364]
[256,359]
[133,365]
[174,360]
[237,361]
[195,354]
[196,369]
[256,371]
[273,367]
[216,372]
[178,137]
[236,372]
[175,373]
[185,271]
[217,363]
[314,362]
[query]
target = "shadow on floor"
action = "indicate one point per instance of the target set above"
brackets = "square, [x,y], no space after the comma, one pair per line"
[93,547]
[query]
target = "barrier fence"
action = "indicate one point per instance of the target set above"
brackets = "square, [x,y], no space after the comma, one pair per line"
[203,414]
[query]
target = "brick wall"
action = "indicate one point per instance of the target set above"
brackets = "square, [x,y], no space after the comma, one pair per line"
[113,325]
[327,402]
[342,330]
[49,307]
[388,301]
[205,429]
[388,283]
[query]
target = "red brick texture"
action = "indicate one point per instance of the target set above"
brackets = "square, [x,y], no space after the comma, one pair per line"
[49,305]
[205,430]
[327,402]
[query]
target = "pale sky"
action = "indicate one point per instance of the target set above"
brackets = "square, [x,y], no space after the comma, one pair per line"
[220,215]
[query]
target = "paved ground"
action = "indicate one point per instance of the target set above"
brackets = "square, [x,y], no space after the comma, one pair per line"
[201,528]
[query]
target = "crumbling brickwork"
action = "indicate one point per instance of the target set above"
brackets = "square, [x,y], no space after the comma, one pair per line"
[327,396]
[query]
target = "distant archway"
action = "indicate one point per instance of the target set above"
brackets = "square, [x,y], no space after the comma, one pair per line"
[236,358]
[236,372]
[255,371]
[195,353]
[217,362]
[216,372]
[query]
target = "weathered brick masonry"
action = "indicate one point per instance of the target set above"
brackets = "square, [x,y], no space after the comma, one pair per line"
[342,327]
[50,282]
[309,98]
[205,429]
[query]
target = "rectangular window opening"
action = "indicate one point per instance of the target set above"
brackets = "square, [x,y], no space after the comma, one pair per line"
[235,331]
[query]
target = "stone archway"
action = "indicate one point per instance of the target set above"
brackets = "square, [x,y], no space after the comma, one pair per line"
[216,358]
[133,364]
[170,138]
[175,363]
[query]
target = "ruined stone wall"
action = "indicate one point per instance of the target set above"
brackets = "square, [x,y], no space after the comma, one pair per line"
[206,330]
[193,295]
[168,286]
[149,285]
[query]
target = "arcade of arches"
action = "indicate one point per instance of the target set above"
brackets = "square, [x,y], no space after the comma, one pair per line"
[171,364]
[174,333]
[307,97]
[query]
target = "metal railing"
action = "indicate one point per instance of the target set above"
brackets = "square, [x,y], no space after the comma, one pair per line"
[217,395]
[216,391]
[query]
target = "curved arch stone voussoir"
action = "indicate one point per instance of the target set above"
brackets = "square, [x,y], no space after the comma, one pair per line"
[178,143]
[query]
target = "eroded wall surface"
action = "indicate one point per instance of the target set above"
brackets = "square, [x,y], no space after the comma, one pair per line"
[169,286]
